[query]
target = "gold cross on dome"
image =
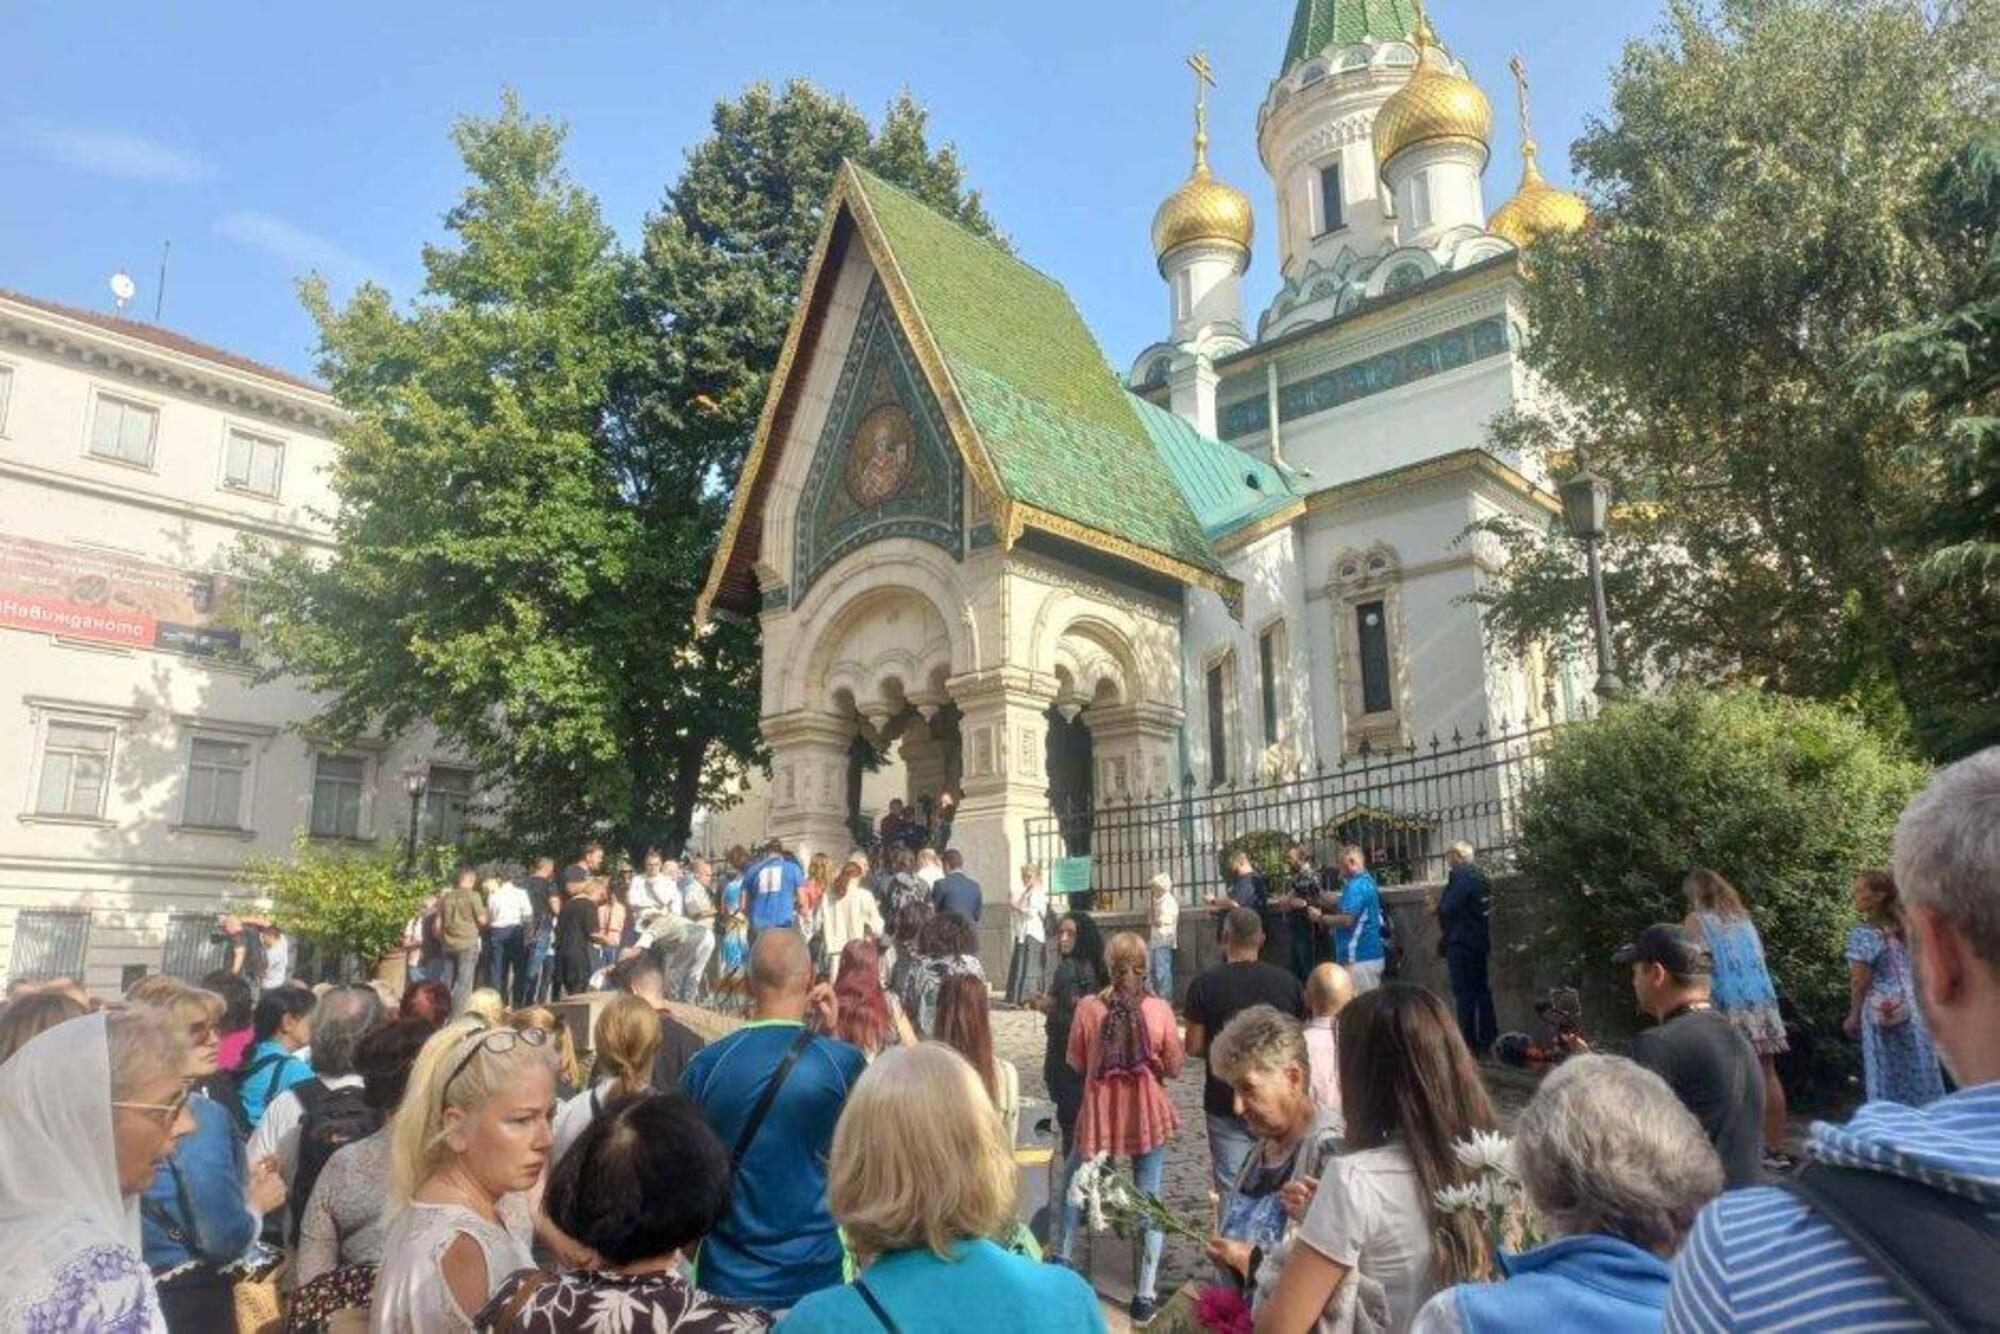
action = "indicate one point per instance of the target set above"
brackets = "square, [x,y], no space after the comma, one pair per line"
[1204,79]
[1519,68]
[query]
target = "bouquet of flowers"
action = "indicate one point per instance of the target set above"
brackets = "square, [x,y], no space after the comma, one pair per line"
[1110,1200]
[1491,1201]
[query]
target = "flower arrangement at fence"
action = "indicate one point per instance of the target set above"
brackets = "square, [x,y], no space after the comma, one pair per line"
[1492,1200]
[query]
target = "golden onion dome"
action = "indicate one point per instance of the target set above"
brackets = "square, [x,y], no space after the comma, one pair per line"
[1537,209]
[1436,105]
[1203,209]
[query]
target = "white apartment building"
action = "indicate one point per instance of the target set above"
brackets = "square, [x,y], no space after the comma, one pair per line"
[140,764]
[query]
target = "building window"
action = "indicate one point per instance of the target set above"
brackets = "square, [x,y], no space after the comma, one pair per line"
[192,948]
[1221,679]
[6,394]
[48,942]
[338,784]
[124,430]
[252,463]
[1270,662]
[447,800]
[218,777]
[1420,201]
[1332,207]
[76,759]
[1371,637]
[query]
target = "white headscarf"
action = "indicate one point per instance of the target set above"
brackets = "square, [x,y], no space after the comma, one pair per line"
[63,1219]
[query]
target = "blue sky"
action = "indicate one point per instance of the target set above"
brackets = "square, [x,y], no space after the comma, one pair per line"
[266,140]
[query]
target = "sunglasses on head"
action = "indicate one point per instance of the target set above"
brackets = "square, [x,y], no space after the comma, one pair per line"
[496,1040]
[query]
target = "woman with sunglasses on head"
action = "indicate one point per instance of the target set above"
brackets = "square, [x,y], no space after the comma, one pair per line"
[90,1109]
[468,1145]
[208,1200]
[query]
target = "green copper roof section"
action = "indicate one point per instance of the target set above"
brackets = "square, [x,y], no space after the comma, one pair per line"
[1059,427]
[1319,24]
[1227,488]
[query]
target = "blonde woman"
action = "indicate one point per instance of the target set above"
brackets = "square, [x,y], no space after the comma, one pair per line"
[469,1142]
[485,1003]
[849,911]
[922,1182]
[569,1071]
[627,1041]
[1743,991]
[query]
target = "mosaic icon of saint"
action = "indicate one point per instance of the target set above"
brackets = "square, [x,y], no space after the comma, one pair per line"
[879,456]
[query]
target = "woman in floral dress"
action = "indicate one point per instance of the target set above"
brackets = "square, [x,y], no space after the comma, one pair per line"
[1898,1062]
[1743,990]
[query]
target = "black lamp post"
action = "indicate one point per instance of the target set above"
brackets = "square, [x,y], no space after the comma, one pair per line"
[1586,499]
[416,778]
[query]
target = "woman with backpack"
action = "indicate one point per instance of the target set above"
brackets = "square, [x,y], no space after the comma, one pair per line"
[626,1041]
[1126,1045]
[282,1024]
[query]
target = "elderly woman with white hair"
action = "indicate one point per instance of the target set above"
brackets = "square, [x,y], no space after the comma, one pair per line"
[1617,1169]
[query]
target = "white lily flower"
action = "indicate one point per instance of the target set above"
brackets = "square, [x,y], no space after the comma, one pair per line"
[1486,1151]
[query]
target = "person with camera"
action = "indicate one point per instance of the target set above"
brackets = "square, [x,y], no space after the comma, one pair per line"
[1709,1065]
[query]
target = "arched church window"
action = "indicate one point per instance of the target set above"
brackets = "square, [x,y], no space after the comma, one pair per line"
[1402,278]
[1156,372]
[1219,683]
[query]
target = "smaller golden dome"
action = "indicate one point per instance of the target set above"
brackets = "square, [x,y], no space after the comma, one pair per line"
[1537,208]
[1435,105]
[1203,209]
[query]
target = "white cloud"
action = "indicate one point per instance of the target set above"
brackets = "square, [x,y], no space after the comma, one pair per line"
[304,251]
[114,153]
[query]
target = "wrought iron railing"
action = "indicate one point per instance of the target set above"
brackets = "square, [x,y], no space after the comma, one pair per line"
[1404,808]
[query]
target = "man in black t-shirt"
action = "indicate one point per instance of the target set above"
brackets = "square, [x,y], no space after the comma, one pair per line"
[1709,1065]
[1214,998]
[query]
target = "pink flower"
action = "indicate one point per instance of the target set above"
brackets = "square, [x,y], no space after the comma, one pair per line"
[1222,1308]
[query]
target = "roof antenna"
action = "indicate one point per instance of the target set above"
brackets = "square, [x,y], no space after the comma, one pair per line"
[160,293]
[122,290]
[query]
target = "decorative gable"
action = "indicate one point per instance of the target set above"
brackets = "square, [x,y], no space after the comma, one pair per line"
[885,465]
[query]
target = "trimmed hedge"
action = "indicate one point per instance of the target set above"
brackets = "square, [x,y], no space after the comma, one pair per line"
[1787,798]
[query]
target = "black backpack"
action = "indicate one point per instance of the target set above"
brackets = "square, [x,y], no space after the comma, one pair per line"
[334,1119]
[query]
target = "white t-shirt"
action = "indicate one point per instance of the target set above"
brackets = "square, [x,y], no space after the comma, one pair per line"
[277,963]
[654,893]
[1369,1214]
[575,1115]
[509,906]
[1166,920]
[1031,906]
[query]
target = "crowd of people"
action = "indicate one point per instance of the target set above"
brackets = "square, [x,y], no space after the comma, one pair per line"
[445,1158]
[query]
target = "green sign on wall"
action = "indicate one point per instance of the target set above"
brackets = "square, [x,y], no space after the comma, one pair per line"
[1070,875]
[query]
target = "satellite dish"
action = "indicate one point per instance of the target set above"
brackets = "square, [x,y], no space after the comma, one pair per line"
[122,287]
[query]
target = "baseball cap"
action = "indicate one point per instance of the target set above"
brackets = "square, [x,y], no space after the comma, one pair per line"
[1670,945]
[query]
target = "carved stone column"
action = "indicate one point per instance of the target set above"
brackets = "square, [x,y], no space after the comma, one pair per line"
[809,781]
[1003,729]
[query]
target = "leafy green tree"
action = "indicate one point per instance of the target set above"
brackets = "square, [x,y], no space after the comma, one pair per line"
[1786,798]
[1761,182]
[346,901]
[539,461]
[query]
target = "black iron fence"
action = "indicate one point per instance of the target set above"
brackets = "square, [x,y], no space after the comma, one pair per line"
[1404,808]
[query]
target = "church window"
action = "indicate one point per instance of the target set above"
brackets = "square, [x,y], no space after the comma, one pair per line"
[1420,200]
[1270,662]
[1371,632]
[1220,681]
[1332,208]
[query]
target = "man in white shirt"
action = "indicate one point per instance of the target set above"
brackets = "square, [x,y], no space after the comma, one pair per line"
[277,957]
[509,911]
[685,956]
[345,1014]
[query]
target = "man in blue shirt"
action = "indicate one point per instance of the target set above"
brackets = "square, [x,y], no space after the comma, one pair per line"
[1357,923]
[955,890]
[771,884]
[778,1241]
[1767,1258]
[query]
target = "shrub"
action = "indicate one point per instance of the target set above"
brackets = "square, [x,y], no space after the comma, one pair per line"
[1786,798]
[346,901]
[1267,854]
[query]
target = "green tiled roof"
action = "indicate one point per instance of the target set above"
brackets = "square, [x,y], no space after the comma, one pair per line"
[1061,431]
[1319,24]
[1228,488]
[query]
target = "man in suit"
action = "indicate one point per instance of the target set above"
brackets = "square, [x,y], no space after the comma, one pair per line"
[956,891]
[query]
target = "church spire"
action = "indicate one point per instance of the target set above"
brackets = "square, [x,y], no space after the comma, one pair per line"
[1203,209]
[1318,24]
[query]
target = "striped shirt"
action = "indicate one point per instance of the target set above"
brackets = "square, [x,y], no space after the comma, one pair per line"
[1761,1260]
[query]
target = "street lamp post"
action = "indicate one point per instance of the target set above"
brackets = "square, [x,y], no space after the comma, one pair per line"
[416,778]
[1586,499]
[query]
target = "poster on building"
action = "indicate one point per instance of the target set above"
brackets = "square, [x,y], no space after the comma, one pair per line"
[77,593]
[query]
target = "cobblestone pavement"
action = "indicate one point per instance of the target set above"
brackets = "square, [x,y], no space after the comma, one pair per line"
[1018,1036]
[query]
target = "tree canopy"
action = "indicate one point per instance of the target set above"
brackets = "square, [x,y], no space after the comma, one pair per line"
[1766,191]
[538,464]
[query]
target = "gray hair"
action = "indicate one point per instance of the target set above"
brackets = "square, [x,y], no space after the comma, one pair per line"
[1460,851]
[1258,1038]
[1604,1146]
[1947,853]
[340,1020]
[143,1044]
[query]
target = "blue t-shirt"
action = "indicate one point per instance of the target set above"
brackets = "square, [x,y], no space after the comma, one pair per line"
[773,887]
[778,1241]
[1362,942]
[268,1070]
[982,1288]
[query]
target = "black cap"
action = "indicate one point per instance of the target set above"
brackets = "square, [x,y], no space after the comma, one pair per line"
[1674,947]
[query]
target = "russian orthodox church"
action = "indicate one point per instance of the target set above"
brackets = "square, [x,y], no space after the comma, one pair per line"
[973,545]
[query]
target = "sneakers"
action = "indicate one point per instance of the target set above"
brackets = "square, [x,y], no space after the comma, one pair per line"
[1143,1309]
